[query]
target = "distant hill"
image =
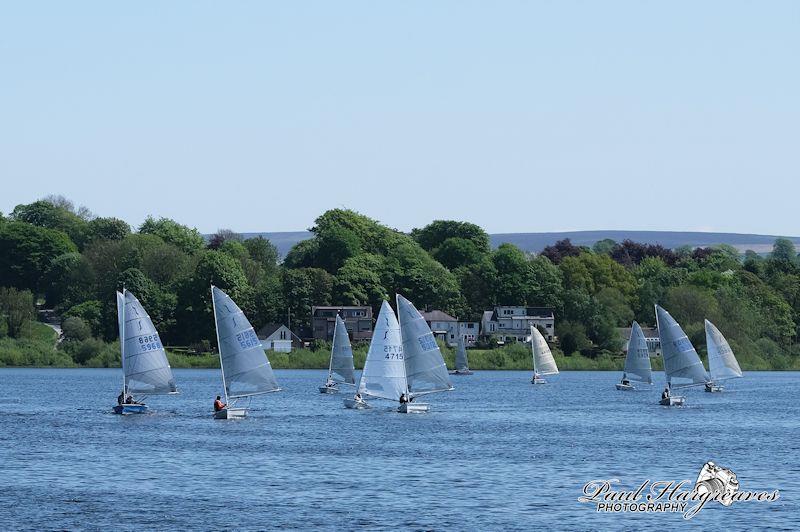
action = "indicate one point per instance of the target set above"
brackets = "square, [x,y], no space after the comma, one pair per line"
[535,242]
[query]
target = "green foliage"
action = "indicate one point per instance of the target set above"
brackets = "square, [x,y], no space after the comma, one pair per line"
[75,329]
[47,214]
[26,252]
[187,239]
[91,314]
[108,229]
[16,309]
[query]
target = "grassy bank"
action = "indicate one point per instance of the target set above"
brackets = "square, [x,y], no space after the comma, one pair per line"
[37,348]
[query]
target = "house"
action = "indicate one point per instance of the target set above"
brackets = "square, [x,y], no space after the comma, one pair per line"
[650,336]
[278,337]
[357,320]
[447,328]
[513,323]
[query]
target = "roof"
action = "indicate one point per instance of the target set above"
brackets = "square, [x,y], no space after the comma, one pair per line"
[437,315]
[271,328]
[341,307]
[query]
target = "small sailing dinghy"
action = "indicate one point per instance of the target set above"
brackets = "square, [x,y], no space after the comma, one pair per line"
[462,366]
[722,364]
[340,369]
[245,368]
[145,368]
[543,361]
[384,374]
[682,365]
[426,371]
[637,361]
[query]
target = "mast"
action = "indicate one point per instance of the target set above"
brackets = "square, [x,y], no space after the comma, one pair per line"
[533,352]
[122,347]
[219,346]
[660,342]
[405,372]
[333,349]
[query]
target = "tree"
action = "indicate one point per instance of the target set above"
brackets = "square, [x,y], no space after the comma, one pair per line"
[302,289]
[455,252]
[513,275]
[264,253]
[436,233]
[68,281]
[572,337]
[185,238]
[561,250]
[44,213]
[222,236]
[358,281]
[91,314]
[630,253]
[604,247]
[16,309]
[108,229]
[75,329]
[26,251]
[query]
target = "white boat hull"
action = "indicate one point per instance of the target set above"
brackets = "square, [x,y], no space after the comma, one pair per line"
[328,389]
[625,387]
[349,402]
[414,408]
[538,380]
[714,388]
[231,413]
[673,400]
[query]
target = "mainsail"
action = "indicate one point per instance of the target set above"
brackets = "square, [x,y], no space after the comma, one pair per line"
[341,366]
[543,362]
[722,363]
[245,367]
[426,371]
[461,355]
[144,363]
[681,363]
[384,372]
[637,362]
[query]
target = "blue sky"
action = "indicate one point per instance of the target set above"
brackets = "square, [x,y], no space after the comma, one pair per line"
[518,116]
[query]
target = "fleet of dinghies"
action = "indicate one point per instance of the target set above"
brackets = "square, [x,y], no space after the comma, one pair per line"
[403,362]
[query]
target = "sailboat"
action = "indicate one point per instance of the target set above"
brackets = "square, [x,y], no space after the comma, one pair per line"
[543,361]
[145,368]
[682,365]
[245,368]
[462,366]
[637,361]
[403,362]
[384,373]
[722,364]
[340,369]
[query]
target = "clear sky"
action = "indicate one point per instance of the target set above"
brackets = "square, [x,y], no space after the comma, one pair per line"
[521,116]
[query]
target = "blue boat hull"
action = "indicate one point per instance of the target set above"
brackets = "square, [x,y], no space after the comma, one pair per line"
[130,409]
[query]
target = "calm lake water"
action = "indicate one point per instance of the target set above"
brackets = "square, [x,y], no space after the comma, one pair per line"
[496,453]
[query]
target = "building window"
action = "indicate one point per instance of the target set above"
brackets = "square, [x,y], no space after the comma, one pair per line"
[470,325]
[548,326]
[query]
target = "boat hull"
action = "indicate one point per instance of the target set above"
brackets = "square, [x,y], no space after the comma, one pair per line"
[414,408]
[461,372]
[714,388]
[130,409]
[231,413]
[351,403]
[674,400]
[625,387]
[538,380]
[328,389]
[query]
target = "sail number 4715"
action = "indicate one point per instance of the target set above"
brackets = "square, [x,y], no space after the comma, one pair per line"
[393,352]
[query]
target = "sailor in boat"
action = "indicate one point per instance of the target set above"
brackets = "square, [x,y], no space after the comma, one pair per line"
[709,386]
[625,381]
[403,398]
[121,398]
[330,384]
[131,401]
[665,393]
[218,404]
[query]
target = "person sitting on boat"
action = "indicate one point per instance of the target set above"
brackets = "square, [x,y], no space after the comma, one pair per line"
[121,398]
[709,386]
[665,394]
[358,398]
[625,382]
[330,384]
[403,398]
[129,400]
[218,404]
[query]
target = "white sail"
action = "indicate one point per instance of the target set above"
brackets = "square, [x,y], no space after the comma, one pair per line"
[384,373]
[245,367]
[145,364]
[426,371]
[461,355]
[543,361]
[681,364]
[722,363]
[121,328]
[341,366]
[637,362]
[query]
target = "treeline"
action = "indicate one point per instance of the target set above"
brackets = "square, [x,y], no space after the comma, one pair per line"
[74,261]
